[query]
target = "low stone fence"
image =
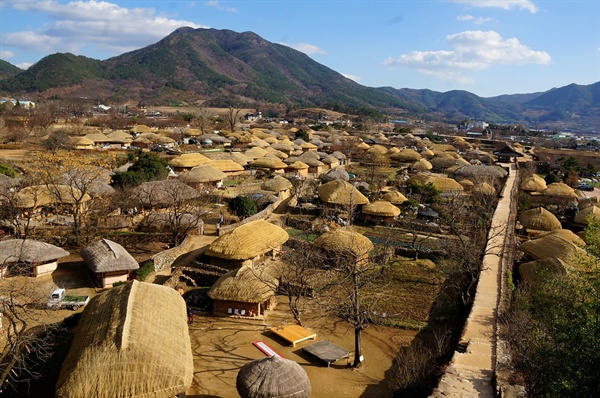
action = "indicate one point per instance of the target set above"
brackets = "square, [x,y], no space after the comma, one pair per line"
[166,258]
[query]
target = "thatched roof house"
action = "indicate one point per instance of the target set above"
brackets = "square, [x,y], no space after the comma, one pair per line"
[588,201]
[343,244]
[244,291]
[542,270]
[480,173]
[483,188]
[273,377]
[560,190]
[591,211]
[109,262]
[278,184]
[394,197]
[340,192]
[566,234]
[227,166]
[533,183]
[40,195]
[556,246]
[539,220]
[443,184]
[380,211]
[132,341]
[29,257]
[270,163]
[247,243]
[187,161]
[164,193]
[200,175]
[421,165]
[406,156]
[335,174]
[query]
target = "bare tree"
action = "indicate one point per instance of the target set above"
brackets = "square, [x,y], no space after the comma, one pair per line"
[232,117]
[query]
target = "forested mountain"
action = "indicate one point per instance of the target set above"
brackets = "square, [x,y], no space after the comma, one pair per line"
[229,68]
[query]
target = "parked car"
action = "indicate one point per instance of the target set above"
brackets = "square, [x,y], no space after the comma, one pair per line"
[585,187]
[59,299]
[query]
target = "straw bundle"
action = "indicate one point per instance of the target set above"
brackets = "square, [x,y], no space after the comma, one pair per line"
[560,189]
[533,183]
[539,219]
[345,241]
[268,163]
[107,256]
[189,160]
[394,197]
[592,211]
[132,341]
[342,193]
[273,377]
[406,155]
[226,165]
[277,184]
[248,241]
[541,270]
[381,208]
[245,285]
[29,251]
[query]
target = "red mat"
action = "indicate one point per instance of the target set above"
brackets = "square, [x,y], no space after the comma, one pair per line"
[264,347]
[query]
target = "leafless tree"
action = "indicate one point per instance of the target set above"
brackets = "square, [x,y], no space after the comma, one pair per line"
[232,117]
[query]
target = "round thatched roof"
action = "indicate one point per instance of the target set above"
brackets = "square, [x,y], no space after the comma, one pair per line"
[341,192]
[335,174]
[248,241]
[298,165]
[29,251]
[255,153]
[566,234]
[588,201]
[381,208]
[276,184]
[560,189]
[539,219]
[533,183]
[555,246]
[541,270]
[132,341]
[446,161]
[344,241]
[268,163]
[226,165]
[378,150]
[273,377]
[41,195]
[466,183]
[484,189]
[591,211]
[421,165]
[444,184]
[81,141]
[245,284]
[363,145]
[202,174]
[406,155]
[394,197]
[189,160]
[163,192]
[477,172]
[107,256]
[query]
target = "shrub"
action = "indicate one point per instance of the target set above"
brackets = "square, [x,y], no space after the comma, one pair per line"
[242,206]
[146,269]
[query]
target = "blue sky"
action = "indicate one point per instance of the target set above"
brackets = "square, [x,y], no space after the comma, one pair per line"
[487,47]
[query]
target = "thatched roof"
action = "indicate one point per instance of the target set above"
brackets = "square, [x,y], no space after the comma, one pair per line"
[394,197]
[478,172]
[273,377]
[533,183]
[276,184]
[202,174]
[189,160]
[444,184]
[344,241]
[421,165]
[378,150]
[406,155]
[592,211]
[248,241]
[107,256]
[560,189]
[97,137]
[381,208]
[245,284]
[163,193]
[226,165]
[29,251]
[565,234]
[119,136]
[132,341]
[484,188]
[298,165]
[446,161]
[588,201]
[555,246]
[341,192]
[268,163]
[41,195]
[255,153]
[335,174]
[539,219]
[80,141]
[541,270]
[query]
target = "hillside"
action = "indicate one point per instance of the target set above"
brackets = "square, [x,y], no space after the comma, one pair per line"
[227,68]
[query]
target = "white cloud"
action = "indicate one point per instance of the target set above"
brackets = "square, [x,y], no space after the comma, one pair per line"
[308,49]
[351,77]
[6,54]
[475,20]
[504,4]
[24,65]
[217,4]
[471,51]
[107,26]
